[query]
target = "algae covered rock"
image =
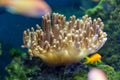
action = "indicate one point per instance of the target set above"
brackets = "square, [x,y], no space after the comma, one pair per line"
[17,69]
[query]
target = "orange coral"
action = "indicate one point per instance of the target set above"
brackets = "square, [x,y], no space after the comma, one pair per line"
[61,42]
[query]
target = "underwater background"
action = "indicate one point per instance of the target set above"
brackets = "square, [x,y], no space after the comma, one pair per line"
[15,64]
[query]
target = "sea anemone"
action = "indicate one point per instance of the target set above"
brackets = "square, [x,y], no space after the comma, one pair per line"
[61,42]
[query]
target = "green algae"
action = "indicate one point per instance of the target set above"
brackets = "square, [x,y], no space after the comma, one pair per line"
[17,70]
[95,9]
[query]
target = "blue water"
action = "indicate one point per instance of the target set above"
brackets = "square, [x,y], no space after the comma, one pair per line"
[12,26]
[11,30]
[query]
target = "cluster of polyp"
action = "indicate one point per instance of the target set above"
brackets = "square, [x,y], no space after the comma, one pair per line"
[61,42]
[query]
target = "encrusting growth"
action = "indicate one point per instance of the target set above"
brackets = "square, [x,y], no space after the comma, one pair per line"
[61,42]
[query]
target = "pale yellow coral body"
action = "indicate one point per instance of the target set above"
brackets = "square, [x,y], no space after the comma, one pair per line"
[62,42]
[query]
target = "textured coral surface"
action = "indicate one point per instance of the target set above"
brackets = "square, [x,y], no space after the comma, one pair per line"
[61,41]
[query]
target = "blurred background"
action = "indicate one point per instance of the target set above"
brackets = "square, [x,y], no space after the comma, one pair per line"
[13,25]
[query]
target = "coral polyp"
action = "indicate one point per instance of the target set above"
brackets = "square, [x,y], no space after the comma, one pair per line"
[61,42]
